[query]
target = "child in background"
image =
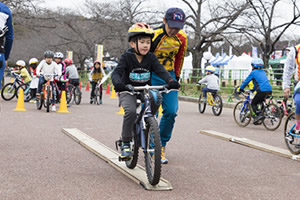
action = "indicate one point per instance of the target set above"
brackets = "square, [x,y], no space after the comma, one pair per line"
[33,62]
[21,69]
[47,67]
[211,80]
[95,75]
[61,83]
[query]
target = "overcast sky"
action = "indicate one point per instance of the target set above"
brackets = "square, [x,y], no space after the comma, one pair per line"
[75,4]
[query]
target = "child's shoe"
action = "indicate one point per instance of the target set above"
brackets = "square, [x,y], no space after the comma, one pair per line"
[125,150]
[164,160]
[53,108]
[100,101]
[297,127]
[91,100]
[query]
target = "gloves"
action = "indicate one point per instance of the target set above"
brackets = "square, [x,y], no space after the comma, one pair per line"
[240,91]
[173,84]
[119,87]
[177,78]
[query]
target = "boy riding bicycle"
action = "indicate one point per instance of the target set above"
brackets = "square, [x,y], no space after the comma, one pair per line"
[211,80]
[135,68]
[261,86]
[47,67]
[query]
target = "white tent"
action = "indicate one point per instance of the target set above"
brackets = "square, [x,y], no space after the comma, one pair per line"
[240,67]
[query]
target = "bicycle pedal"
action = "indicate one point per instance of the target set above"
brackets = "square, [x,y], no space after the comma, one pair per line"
[124,158]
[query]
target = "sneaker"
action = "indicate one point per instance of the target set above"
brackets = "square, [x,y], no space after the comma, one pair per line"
[204,100]
[257,119]
[91,100]
[100,101]
[164,160]
[125,150]
[32,101]
[53,108]
[297,128]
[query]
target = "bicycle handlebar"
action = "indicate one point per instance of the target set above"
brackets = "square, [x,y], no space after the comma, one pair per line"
[134,89]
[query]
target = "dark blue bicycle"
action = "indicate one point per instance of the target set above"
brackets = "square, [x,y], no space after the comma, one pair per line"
[243,112]
[291,136]
[145,134]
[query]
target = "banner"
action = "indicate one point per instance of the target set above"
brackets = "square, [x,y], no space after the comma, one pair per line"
[99,53]
[70,54]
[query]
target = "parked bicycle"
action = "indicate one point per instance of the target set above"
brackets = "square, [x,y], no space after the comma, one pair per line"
[243,112]
[46,94]
[11,90]
[291,137]
[146,134]
[214,100]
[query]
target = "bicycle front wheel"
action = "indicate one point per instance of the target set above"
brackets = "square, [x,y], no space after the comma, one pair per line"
[152,151]
[217,108]
[292,142]
[201,104]
[242,113]
[48,99]
[131,163]
[8,92]
[98,96]
[272,117]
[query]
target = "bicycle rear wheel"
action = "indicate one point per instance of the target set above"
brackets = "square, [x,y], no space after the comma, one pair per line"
[152,151]
[242,113]
[134,148]
[98,100]
[77,95]
[70,95]
[201,104]
[217,108]
[272,117]
[8,92]
[48,99]
[292,143]
[39,102]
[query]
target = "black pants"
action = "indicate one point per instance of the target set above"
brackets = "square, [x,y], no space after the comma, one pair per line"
[74,82]
[259,98]
[94,84]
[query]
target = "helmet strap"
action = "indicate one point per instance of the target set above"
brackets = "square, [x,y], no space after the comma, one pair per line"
[137,46]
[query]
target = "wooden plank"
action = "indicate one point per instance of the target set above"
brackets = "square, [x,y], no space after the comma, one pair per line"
[252,144]
[138,174]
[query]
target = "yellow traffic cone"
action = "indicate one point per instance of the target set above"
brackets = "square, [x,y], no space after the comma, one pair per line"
[160,110]
[63,103]
[121,111]
[113,93]
[11,79]
[20,103]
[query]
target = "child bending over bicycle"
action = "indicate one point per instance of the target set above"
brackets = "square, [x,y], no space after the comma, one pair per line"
[47,67]
[21,69]
[72,72]
[135,68]
[211,80]
[261,86]
[96,74]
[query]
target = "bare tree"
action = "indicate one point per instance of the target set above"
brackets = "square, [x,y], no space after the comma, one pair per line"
[208,30]
[263,25]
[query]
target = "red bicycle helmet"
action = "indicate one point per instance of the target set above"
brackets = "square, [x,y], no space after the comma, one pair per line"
[68,61]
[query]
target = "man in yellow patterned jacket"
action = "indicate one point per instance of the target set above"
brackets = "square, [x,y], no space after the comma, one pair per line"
[169,44]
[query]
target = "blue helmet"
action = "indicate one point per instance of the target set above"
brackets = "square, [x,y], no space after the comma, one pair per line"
[257,63]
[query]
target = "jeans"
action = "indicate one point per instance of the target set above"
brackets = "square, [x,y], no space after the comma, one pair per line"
[170,108]
[205,90]
[297,102]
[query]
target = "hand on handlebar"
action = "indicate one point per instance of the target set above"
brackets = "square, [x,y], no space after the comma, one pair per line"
[287,92]
[173,84]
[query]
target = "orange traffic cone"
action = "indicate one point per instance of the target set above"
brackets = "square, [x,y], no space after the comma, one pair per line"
[63,103]
[113,93]
[80,85]
[20,103]
[87,88]
[121,112]
[107,89]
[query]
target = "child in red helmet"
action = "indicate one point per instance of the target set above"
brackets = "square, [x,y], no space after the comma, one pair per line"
[96,75]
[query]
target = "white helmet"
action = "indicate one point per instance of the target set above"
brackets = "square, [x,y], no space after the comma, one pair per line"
[21,63]
[33,60]
[59,55]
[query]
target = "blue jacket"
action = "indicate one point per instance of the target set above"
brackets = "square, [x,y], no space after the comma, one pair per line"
[260,81]
[9,35]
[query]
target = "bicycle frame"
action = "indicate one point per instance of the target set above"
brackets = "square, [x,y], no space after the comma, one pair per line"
[293,134]
[210,99]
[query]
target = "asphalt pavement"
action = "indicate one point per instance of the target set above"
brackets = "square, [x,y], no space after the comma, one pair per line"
[38,161]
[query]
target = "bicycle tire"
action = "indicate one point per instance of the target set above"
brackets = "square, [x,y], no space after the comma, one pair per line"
[272,117]
[218,107]
[69,96]
[152,136]
[242,118]
[291,141]
[201,104]
[11,91]
[77,95]
[48,99]
[97,95]
[131,163]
